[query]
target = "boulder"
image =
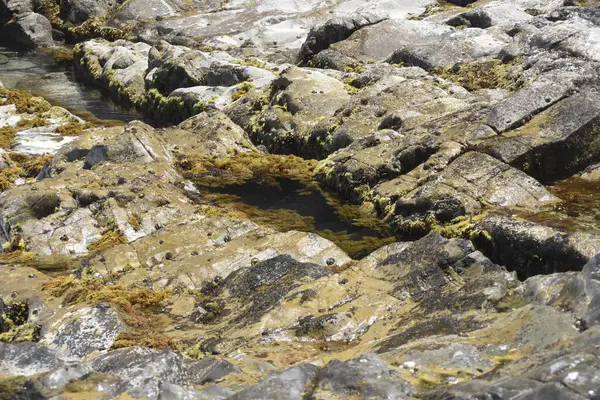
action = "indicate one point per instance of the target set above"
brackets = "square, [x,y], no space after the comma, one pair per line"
[79,11]
[556,143]
[29,30]
[142,371]
[292,384]
[366,376]
[85,331]
[455,47]
[335,30]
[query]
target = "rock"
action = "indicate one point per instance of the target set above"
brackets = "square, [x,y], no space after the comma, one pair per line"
[85,331]
[366,376]
[461,186]
[457,47]
[292,383]
[335,30]
[555,144]
[496,13]
[299,100]
[27,359]
[79,11]
[378,41]
[137,144]
[30,30]
[142,371]
[8,8]
[552,250]
[209,134]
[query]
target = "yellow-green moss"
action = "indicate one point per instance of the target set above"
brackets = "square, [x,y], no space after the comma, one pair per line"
[73,129]
[135,222]
[145,338]
[25,102]
[7,136]
[242,89]
[29,332]
[489,74]
[245,167]
[35,122]
[110,238]
[30,165]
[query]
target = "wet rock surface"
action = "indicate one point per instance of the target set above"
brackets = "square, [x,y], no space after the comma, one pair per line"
[130,267]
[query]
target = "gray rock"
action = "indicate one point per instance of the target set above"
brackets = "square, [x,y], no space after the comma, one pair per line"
[142,371]
[79,11]
[461,186]
[533,249]
[138,143]
[27,359]
[557,143]
[291,384]
[29,30]
[496,13]
[457,47]
[88,330]
[335,30]
[366,377]
[527,102]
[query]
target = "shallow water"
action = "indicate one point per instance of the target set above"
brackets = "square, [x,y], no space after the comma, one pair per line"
[37,73]
[291,205]
[579,209]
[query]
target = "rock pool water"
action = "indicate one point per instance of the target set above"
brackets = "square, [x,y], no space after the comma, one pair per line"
[292,205]
[39,74]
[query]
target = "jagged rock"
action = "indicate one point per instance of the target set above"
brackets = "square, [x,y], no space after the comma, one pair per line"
[556,143]
[85,331]
[533,249]
[366,376]
[79,11]
[27,359]
[376,42]
[209,134]
[137,144]
[29,30]
[335,30]
[299,99]
[141,371]
[8,8]
[292,383]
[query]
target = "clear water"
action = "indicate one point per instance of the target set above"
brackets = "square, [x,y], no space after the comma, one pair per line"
[37,73]
[291,205]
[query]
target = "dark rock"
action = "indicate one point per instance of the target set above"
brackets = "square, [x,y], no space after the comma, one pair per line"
[557,143]
[78,11]
[532,249]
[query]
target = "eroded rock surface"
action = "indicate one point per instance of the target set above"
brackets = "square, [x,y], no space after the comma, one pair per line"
[131,270]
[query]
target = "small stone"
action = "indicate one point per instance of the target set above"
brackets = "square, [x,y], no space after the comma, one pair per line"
[254,261]
[169,255]
[32,276]
[227,238]
[330,261]
[194,253]
[64,238]
[343,281]
[13,294]
[161,242]
[141,195]
[121,181]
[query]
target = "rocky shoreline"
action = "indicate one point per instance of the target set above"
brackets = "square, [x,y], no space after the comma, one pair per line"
[469,129]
